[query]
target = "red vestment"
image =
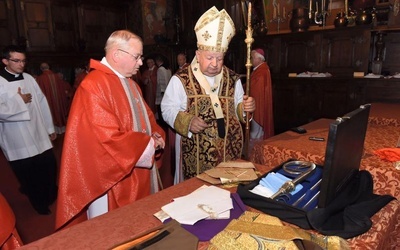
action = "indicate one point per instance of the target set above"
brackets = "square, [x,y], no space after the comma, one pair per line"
[149,78]
[101,148]
[78,79]
[54,88]
[261,91]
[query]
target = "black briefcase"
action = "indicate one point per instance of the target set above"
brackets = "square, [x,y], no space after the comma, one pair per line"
[348,215]
[290,208]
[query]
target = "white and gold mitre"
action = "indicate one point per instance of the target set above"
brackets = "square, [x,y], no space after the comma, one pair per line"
[214,30]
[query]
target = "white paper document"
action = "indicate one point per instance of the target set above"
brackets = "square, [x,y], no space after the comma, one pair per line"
[206,202]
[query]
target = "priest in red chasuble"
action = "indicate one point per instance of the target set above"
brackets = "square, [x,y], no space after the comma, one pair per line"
[111,139]
[262,125]
[56,91]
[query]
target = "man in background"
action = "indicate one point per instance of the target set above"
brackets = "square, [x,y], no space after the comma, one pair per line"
[26,129]
[111,140]
[54,88]
[80,73]
[149,78]
[163,77]
[262,125]
[205,102]
[182,61]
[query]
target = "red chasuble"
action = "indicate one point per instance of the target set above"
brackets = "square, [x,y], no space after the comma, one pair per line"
[261,91]
[149,78]
[101,149]
[54,88]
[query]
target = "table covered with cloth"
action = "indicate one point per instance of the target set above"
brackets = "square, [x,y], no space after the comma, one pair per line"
[128,222]
[385,114]
[383,132]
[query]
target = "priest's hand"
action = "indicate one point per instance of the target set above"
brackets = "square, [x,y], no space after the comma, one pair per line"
[26,97]
[159,142]
[53,136]
[197,125]
[249,104]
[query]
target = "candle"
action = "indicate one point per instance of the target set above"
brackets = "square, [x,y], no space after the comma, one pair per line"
[279,6]
[346,7]
[323,6]
[249,16]
[284,11]
[310,6]
[274,12]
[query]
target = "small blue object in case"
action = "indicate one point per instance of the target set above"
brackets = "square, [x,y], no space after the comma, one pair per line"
[307,197]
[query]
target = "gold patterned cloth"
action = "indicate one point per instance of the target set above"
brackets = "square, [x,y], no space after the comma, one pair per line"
[206,150]
[261,231]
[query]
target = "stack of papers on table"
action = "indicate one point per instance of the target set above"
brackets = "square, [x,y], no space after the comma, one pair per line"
[207,202]
[397,75]
[314,74]
[371,75]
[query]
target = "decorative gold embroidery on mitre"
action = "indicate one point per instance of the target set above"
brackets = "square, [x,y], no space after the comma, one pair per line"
[229,37]
[220,32]
[206,35]
[211,48]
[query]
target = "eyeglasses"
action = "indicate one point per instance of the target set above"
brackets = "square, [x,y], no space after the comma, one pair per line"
[17,60]
[137,58]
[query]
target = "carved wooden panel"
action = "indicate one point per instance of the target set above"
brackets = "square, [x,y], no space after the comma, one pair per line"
[37,23]
[382,90]
[8,27]
[93,30]
[299,53]
[333,98]
[97,22]
[344,52]
[64,16]
[391,62]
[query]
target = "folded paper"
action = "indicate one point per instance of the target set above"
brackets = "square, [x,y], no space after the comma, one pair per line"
[229,172]
[206,202]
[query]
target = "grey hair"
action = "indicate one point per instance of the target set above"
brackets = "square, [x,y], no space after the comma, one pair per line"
[258,55]
[120,38]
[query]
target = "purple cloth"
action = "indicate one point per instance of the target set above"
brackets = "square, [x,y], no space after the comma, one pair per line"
[206,229]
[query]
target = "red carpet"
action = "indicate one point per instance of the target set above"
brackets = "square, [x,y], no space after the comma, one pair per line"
[30,225]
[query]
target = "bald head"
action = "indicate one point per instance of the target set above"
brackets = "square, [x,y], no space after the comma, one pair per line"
[44,66]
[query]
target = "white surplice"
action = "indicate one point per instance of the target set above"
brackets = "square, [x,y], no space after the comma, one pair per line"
[24,127]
